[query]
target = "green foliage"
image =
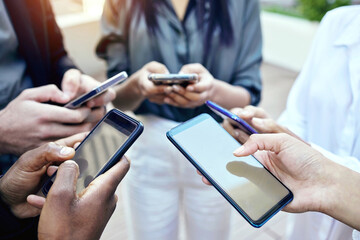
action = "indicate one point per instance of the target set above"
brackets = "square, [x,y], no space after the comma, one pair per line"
[315,10]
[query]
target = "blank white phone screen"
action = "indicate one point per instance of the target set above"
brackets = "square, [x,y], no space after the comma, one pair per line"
[244,179]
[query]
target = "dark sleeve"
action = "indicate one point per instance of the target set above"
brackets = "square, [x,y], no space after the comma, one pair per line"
[59,59]
[112,46]
[12,227]
[247,72]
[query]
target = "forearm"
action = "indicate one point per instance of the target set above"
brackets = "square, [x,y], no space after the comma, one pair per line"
[128,94]
[343,201]
[229,96]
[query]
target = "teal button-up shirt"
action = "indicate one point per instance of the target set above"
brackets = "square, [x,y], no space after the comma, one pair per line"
[182,42]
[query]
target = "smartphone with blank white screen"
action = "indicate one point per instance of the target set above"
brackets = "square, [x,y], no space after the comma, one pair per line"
[78,102]
[244,182]
[103,147]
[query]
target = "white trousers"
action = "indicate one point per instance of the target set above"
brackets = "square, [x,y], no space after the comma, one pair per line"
[161,183]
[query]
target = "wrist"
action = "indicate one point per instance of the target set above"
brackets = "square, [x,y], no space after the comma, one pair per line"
[331,187]
[213,96]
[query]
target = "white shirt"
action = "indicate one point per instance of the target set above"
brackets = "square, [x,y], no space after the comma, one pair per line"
[323,108]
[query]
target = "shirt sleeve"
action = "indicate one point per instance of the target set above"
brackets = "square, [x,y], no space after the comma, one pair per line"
[113,44]
[12,227]
[247,72]
[59,59]
[356,235]
[347,161]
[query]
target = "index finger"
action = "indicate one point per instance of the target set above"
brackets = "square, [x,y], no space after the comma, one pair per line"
[59,114]
[103,99]
[192,68]
[267,142]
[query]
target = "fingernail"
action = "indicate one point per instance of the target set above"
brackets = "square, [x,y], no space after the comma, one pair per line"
[91,104]
[176,88]
[190,88]
[66,97]
[236,133]
[239,150]
[245,113]
[66,151]
[258,121]
[168,90]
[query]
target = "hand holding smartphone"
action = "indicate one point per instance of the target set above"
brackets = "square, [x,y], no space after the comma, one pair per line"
[233,118]
[173,79]
[103,147]
[78,102]
[244,182]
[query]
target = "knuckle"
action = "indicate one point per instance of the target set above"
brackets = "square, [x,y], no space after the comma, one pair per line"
[44,133]
[25,93]
[61,193]
[270,123]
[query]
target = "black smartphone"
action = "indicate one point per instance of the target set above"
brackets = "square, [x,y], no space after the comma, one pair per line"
[103,147]
[244,182]
[78,102]
[173,79]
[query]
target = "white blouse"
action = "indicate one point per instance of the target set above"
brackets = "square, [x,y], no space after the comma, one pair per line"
[324,108]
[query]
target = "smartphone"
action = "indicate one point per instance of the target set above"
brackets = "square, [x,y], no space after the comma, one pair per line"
[234,119]
[103,147]
[173,79]
[244,182]
[78,102]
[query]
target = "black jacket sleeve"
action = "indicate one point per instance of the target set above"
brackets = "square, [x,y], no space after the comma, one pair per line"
[12,227]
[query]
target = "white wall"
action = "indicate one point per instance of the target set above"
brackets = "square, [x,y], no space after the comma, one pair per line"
[287,40]
[81,34]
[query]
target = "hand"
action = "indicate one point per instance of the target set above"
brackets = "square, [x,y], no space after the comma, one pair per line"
[68,216]
[301,168]
[146,88]
[193,95]
[24,177]
[75,84]
[27,122]
[259,119]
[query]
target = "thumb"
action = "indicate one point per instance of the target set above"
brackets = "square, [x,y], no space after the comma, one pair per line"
[71,83]
[51,152]
[63,190]
[256,142]
[45,94]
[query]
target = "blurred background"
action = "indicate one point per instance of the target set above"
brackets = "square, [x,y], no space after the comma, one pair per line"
[288,26]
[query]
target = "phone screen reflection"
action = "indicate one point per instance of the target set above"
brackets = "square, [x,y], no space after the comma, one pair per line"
[95,152]
[244,179]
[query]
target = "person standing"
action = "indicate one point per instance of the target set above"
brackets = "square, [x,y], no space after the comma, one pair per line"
[218,40]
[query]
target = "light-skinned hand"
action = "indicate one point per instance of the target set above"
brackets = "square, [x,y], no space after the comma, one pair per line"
[28,121]
[193,95]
